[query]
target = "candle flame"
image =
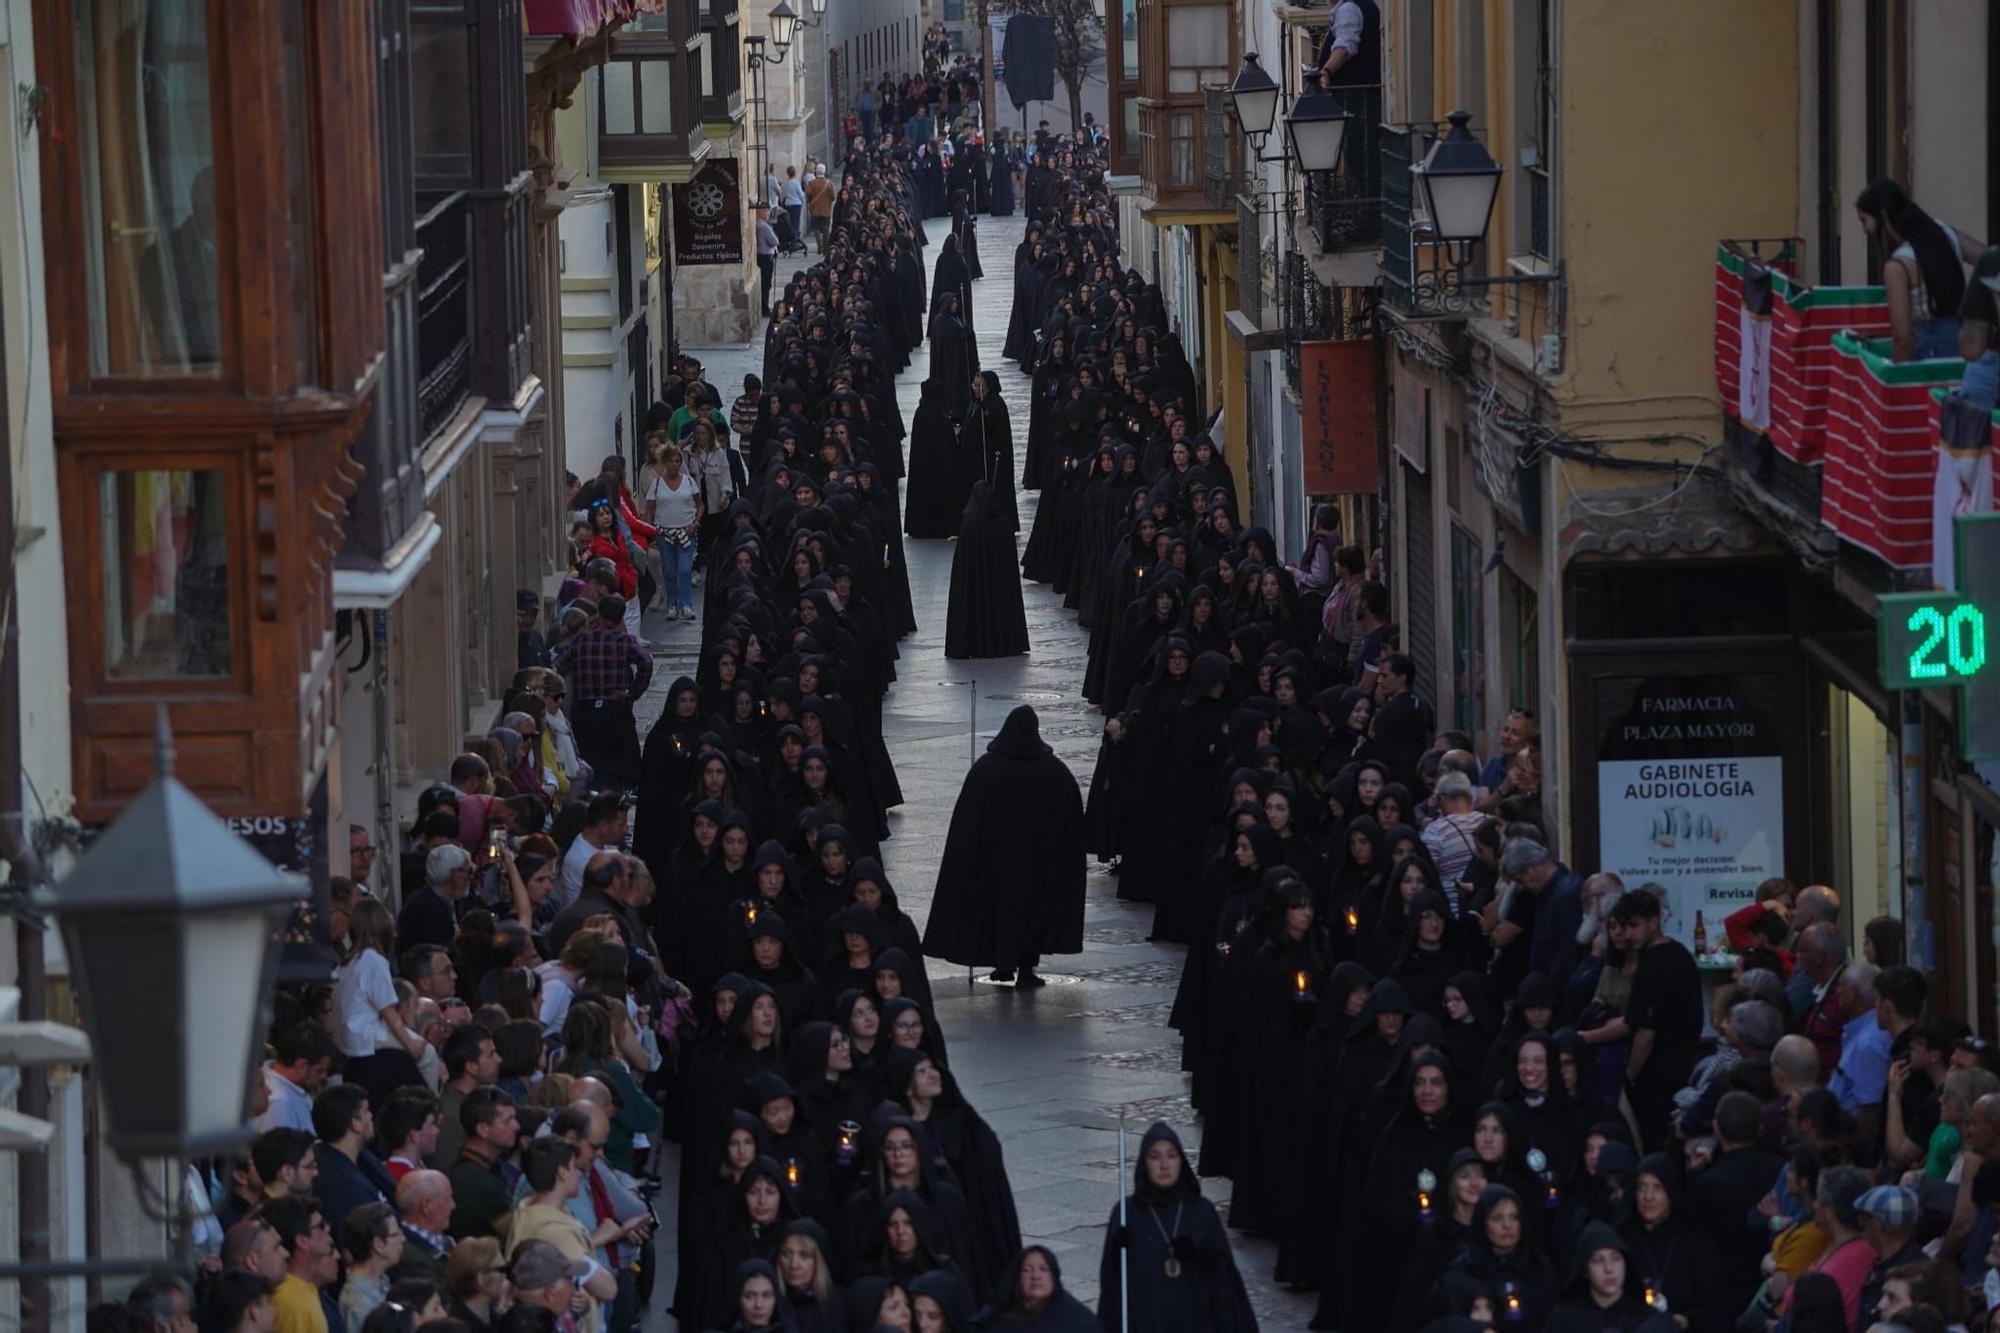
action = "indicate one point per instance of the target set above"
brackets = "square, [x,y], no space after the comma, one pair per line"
[1301,979]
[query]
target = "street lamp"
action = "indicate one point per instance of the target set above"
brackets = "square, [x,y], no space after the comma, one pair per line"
[784,27]
[1457,181]
[1254,98]
[1317,128]
[171,923]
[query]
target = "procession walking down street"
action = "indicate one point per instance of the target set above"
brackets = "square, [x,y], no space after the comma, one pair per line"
[1041,666]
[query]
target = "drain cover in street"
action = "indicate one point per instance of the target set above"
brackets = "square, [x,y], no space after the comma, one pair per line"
[1053,978]
[1032,697]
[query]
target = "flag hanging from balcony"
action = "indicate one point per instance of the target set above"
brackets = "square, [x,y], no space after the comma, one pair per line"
[1753,330]
[1029,56]
[1964,476]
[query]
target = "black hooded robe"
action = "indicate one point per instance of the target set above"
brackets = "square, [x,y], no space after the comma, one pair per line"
[1204,1293]
[1010,884]
[985,616]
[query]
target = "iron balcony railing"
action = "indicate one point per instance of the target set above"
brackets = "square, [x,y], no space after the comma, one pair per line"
[1344,207]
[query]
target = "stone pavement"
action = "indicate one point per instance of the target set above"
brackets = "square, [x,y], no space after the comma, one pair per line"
[1053,1071]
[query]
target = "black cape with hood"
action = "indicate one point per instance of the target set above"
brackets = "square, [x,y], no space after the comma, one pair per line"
[1207,1294]
[1010,883]
[1578,1312]
[1060,1313]
[985,617]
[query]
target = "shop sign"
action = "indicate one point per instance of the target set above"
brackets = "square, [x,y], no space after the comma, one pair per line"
[708,216]
[1337,411]
[1691,794]
[296,843]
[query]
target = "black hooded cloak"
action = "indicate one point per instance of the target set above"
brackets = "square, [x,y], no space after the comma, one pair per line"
[1010,884]
[985,617]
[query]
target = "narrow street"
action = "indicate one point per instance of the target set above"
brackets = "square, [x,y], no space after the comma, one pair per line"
[1053,1071]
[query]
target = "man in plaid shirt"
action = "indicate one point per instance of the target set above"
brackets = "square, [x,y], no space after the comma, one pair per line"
[606,670]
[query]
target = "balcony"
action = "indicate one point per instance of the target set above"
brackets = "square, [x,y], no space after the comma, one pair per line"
[1344,207]
[649,100]
[1880,464]
[1774,362]
[1221,160]
[444,313]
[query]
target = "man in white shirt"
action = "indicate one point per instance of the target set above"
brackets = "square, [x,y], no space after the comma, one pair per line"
[606,829]
[294,1075]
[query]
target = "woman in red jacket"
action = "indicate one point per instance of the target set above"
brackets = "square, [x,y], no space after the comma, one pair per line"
[606,543]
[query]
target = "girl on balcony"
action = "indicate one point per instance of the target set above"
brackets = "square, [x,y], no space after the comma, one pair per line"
[1925,273]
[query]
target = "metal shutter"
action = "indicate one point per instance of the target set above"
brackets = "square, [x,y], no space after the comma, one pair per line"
[1420,629]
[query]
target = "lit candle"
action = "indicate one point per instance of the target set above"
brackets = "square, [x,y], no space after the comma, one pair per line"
[750,914]
[1424,1205]
[1302,981]
[792,1170]
[1353,920]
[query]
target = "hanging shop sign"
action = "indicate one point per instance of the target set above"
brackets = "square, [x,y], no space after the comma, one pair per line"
[708,216]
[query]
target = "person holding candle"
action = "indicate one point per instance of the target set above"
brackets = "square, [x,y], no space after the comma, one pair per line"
[1401,1189]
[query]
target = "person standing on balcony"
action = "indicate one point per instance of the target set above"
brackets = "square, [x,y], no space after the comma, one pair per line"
[1350,55]
[1925,273]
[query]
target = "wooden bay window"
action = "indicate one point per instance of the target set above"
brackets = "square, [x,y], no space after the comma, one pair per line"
[215,325]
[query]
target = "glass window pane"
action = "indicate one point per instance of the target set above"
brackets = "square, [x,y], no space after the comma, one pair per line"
[1180,146]
[441,96]
[166,573]
[708,70]
[1131,124]
[148,188]
[657,91]
[1196,34]
[1128,39]
[305,204]
[618,97]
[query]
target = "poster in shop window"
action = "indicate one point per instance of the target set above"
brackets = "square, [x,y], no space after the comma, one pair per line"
[1691,793]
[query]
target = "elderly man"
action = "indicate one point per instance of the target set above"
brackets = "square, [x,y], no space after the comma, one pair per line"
[1751,1029]
[1553,908]
[616,1220]
[424,1203]
[1448,838]
[1822,957]
[430,916]
[1971,1229]
[1861,1078]
[1816,904]
[1889,1225]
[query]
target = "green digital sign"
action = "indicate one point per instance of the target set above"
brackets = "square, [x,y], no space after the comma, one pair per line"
[1947,640]
[1931,639]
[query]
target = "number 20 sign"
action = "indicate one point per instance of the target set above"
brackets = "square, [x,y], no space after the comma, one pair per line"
[1943,640]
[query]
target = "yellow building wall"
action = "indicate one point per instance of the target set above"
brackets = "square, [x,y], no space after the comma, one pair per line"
[1677,127]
